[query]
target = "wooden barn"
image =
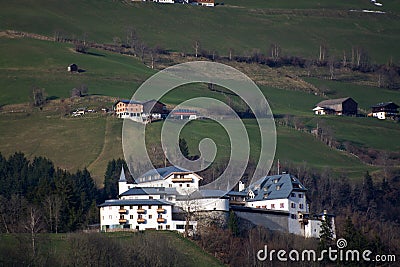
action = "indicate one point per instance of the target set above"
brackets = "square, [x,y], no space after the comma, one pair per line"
[341,106]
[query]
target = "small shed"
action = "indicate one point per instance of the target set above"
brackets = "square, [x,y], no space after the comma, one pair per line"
[72,68]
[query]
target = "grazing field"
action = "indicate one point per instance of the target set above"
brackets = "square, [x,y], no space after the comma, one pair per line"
[302,25]
[83,249]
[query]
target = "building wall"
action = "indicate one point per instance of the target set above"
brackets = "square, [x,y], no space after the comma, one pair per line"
[110,216]
[183,187]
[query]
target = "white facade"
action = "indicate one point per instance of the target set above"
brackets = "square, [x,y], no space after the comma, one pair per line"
[184,182]
[151,204]
[284,193]
[380,115]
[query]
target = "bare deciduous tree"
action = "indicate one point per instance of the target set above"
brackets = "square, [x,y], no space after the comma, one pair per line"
[38,96]
[196,47]
[34,225]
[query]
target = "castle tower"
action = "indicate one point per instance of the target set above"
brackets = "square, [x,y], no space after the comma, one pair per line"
[122,182]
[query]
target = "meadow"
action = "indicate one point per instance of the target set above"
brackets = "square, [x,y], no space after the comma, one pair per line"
[298,27]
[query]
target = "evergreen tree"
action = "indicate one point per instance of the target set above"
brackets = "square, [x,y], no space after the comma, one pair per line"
[184,147]
[111,178]
[326,233]
[233,223]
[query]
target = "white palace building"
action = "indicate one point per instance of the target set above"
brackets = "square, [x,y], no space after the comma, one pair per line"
[164,198]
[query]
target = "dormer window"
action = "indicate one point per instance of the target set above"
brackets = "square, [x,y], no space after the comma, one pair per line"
[275,181]
[278,187]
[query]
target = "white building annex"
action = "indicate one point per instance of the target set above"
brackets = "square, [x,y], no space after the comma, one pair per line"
[163,197]
[284,195]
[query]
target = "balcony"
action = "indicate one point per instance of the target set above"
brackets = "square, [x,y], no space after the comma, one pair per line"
[181,180]
[122,210]
[160,210]
[141,220]
[122,220]
[160,220]
[141,211]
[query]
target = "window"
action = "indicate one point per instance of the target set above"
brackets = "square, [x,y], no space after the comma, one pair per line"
[167,227]
[150,216]
[293,195]
[150,197]
[130,207]
[110,217]
[301,206]
[272,206]
[180,226]
[139,207]
[160,216]
[140,216]
[170,185]
[180,185]
[159,207]
[131,217]
[103,217]
[160,227]
[282,205]
[293,205]
[275,181]
[169,198]
[293,216]
[278,187]
[149,207]
[187,185]
[300,195]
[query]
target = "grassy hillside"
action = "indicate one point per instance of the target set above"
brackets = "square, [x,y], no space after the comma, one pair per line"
[27,62]
[136,249]
[254,25]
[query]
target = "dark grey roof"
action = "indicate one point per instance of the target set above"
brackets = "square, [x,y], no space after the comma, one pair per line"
[135,202]
[237,193]
[275,187]
[149,191]
[161,173]
[385,104]
[333,101]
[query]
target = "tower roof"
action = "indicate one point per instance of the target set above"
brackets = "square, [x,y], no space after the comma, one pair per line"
[122,176]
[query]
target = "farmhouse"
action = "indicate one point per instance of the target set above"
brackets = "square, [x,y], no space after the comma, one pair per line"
[385,110]
[183,114]
[140,111]
[205,2]
[340,106]
[163,198]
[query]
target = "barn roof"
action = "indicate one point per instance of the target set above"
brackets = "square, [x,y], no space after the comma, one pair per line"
[385,104]
[330,102]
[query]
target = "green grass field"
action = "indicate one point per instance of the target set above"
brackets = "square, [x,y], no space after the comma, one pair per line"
[176,27]
[64,249]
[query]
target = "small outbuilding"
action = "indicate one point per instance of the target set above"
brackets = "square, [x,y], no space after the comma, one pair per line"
[72,68]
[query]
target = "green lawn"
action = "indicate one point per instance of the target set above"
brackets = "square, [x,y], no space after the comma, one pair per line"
[365,132]
[26,63]
[176,27]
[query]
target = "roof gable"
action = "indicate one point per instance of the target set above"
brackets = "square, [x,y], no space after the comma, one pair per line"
[275,187]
